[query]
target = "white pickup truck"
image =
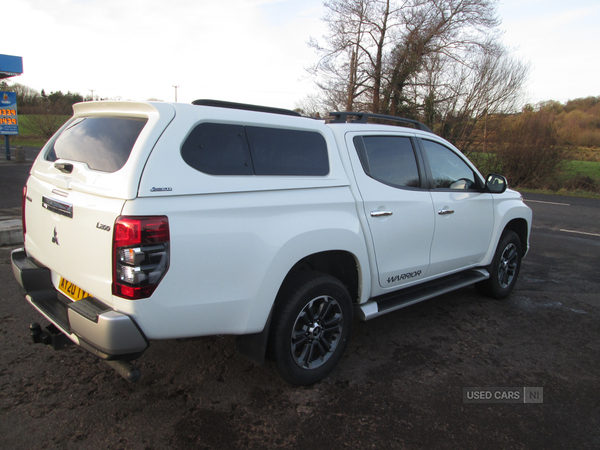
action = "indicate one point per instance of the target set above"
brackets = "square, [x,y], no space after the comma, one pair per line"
[146,221]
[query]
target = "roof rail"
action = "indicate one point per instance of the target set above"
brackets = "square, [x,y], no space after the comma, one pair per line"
[358,117]
[245,107]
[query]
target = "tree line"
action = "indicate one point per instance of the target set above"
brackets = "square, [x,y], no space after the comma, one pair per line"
[577,121]
[531,148]
[31,101]
[45,112]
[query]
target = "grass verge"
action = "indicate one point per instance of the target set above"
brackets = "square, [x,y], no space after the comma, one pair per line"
[585,168]
[27,141]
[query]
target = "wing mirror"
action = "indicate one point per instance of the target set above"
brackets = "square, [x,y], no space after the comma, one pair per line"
[496,184]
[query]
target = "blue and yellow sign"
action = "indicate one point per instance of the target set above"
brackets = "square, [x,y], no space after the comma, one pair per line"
[9,122]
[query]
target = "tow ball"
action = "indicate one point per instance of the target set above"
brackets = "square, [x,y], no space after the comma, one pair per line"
[50,336]
[56,339]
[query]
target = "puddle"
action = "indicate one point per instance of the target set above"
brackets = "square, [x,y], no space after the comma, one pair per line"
[537,280]
[528,305]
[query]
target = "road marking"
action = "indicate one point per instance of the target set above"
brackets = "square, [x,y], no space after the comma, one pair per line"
[581,232]
[547,203]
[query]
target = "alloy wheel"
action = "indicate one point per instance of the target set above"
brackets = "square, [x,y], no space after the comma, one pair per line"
[316,332]
[508,265]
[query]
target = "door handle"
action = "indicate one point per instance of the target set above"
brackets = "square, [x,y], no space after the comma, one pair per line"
[381,213]
[443,212]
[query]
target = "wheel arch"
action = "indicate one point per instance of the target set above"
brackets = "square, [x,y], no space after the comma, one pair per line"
[520,227]
[340,264]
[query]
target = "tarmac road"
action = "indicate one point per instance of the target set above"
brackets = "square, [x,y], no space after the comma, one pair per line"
[400,384]
[13,177]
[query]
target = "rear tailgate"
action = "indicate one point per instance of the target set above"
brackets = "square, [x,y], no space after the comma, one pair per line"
[71,233]
[79,184]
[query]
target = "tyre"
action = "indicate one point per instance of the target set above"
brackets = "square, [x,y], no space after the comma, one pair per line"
[310,329]
[504,269]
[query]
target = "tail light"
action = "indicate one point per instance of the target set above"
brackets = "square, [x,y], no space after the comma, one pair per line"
[140,255]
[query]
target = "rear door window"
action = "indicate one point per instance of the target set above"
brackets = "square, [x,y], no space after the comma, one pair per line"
[103,143]
[389,160]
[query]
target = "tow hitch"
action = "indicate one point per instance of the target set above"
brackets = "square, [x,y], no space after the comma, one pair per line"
[56,339]
[51,336]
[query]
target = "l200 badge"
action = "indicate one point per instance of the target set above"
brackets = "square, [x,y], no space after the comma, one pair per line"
[101,226]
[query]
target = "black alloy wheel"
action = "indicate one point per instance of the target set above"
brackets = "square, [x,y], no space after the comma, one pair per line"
[311,326]
[504,269]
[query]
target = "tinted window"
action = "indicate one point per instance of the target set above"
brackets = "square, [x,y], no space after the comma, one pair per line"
[389,159]
[448,169]
[103,143]
[220,149]
[287,152]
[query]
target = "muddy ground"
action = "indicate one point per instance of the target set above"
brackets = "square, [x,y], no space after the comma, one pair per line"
[399,385]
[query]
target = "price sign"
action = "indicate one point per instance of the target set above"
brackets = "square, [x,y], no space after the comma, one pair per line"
[9,122]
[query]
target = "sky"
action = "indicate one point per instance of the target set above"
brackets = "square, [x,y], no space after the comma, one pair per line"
[252,51]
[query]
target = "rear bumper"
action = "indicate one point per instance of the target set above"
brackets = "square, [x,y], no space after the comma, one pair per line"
[90,323]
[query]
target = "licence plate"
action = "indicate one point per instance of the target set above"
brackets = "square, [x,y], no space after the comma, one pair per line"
[72,291]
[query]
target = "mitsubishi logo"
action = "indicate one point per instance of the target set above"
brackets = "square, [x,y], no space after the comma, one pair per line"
[55,238]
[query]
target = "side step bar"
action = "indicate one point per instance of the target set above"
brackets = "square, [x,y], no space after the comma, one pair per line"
[383,304]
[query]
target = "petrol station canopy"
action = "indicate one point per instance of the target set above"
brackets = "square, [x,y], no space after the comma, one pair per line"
[10,66]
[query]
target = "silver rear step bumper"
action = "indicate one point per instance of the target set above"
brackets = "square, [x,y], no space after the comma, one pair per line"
[89,323]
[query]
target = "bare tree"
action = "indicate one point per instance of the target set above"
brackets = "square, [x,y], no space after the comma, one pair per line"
[312,106]
[463,96]
[26,96]
[44,121]
[436,60]
[452,29]
[353,54]
[342,57]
